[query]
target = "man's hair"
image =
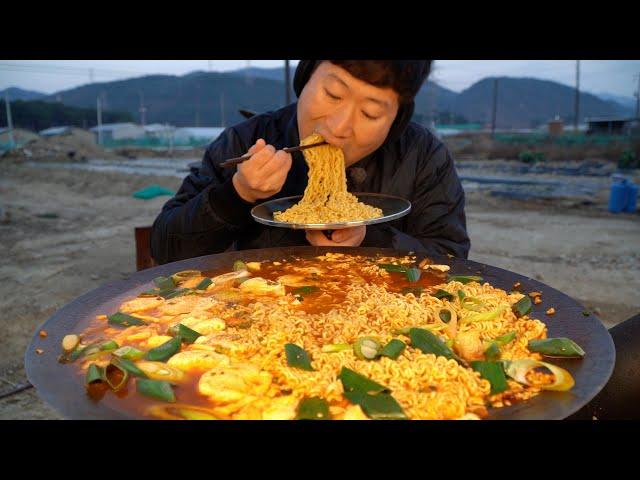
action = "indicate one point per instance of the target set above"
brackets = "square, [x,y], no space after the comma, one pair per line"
[405,77]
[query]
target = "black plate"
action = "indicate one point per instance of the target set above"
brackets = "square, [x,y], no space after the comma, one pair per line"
[59,386]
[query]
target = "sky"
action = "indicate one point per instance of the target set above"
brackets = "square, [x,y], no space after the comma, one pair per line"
[617,77]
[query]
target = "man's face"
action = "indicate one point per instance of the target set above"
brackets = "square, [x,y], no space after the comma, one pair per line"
[349,113]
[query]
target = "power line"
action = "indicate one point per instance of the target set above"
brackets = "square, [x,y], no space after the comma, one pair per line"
[65,69]
[637,95]
[287,81]
[495,107]
[577,105]
[9,121]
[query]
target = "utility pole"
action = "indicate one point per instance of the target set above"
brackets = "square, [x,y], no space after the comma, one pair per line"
[142,108]
[248,76]
[198,105]
[577,106]
[9,120]
[91,75]
[222,109]
[495,107]
[209,64]
[638,98]
[99,110]
[287,83]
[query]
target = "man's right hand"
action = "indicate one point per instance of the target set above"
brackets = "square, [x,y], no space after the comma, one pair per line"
[264,174]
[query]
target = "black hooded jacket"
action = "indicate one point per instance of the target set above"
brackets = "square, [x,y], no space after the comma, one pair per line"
[208,216]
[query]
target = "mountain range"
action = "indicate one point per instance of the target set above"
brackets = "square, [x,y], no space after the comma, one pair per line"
[214,98]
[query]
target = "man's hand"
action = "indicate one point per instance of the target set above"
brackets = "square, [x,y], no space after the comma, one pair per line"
[347,237]
[264,174]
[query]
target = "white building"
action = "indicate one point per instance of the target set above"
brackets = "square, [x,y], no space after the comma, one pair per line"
[119,131]
[158,130]
[53,131]
[197,134]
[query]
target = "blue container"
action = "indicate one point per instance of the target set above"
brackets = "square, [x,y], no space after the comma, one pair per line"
[618,195]
[632,198]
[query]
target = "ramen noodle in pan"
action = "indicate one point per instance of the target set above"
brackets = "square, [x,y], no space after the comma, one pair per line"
[336,336]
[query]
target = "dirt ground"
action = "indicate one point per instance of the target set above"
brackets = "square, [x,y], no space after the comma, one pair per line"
[66,232]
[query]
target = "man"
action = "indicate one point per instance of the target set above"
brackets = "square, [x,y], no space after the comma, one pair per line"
[363,107]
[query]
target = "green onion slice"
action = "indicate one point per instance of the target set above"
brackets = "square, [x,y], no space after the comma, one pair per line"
[165,351]
[158,389]
[556,347]
[314,408]
[297,357]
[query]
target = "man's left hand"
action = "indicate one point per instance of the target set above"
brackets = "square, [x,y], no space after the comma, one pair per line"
[346,237]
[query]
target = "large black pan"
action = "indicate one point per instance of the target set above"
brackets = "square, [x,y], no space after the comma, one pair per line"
[60,386]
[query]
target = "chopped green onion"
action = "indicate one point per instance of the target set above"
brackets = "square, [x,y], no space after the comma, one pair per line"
[518,369]
[464,279]
[484,317]
[378,407]
[239,265]
[493,352]
[305,290]
[390,267]
[108,346]
[354,382]
[445,315]
[182,276]
[402,331]
[176,293]
[159,389]
[556,347]
[522,307]
[336,347]
[165,351]
[504,339]
[239,281]
[427,342]
[116,386]
[417,290]
[413,274]
[90,351]
[188,335]
[70,342]
[191,414]
[366,348]
[164,283]
[150,293]
[493,372]
[314,408]
[129,353]
[586,313]
[297,357]
[94,374]
[124,320]
[461,295]
[79,351]
[393,349]
[443,294]
[204,284]
[128,366]
[471,303]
